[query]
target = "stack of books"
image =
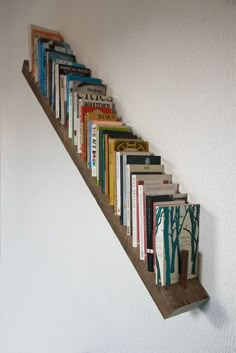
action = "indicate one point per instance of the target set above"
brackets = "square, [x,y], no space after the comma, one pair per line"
[157,216]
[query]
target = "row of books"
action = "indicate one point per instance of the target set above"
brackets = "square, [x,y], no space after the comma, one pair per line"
[158,217]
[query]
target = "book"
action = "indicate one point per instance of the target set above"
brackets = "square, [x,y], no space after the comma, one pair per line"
[105,141]
[39,32]
[103,149]
[49,56]
[84,110]
[82,96]
[90,103]
[176,229]
[92,136]
[116,145]
[75,84]
[60,71]
[149,199]
[154,181]
[121,160]
[142,169]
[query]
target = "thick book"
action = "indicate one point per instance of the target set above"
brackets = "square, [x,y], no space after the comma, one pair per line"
[176,229]
[148,218]
[116,145]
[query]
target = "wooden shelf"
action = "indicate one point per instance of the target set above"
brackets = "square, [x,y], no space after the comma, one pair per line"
[170,300]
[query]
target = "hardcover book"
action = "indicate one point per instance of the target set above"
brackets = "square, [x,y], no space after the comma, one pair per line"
[176,229]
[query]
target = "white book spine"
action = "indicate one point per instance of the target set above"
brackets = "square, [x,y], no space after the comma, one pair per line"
[128,198]
[159,253]
[118,183]
[62,117]
[124,192]
[75,112]
[94,150]
[70,134]
[141,223]
[78,126]
[57,91]
[134,213]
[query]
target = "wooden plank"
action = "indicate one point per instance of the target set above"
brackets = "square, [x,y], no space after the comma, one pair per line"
[170,300]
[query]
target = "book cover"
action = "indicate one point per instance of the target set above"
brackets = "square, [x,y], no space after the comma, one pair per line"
[176,229]
[148,219]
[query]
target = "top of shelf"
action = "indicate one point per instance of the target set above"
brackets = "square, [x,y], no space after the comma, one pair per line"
[170,300]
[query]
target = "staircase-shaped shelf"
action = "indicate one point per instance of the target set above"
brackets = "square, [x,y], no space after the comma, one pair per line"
[170,300]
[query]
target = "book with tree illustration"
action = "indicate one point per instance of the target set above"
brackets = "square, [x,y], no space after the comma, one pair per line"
[176,229]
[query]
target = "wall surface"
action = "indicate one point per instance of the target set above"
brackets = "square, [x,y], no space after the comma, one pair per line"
[66,286]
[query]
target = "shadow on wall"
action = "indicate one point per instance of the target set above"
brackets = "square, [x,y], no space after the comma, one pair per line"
[213,310]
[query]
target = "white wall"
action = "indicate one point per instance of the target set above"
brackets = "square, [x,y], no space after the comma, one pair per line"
[66,284]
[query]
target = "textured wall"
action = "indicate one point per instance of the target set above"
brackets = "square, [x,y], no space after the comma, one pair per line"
[66,285]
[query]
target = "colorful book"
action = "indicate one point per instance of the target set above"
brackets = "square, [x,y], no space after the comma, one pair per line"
[176,229]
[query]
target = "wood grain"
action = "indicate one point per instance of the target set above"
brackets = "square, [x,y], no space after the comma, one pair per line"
[170,300]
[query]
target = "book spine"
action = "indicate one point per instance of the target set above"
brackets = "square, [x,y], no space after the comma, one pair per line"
[118,183]
[110,174]
[124,215]
[94,150]
[97,156]
[111,177]
[70,127]
[141,223]
[149,233]
[106,164]
[128,199]
[57,92]
[78,124]
[62,117]
[75,112]
[159,252]
[88,145]
[134,214]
